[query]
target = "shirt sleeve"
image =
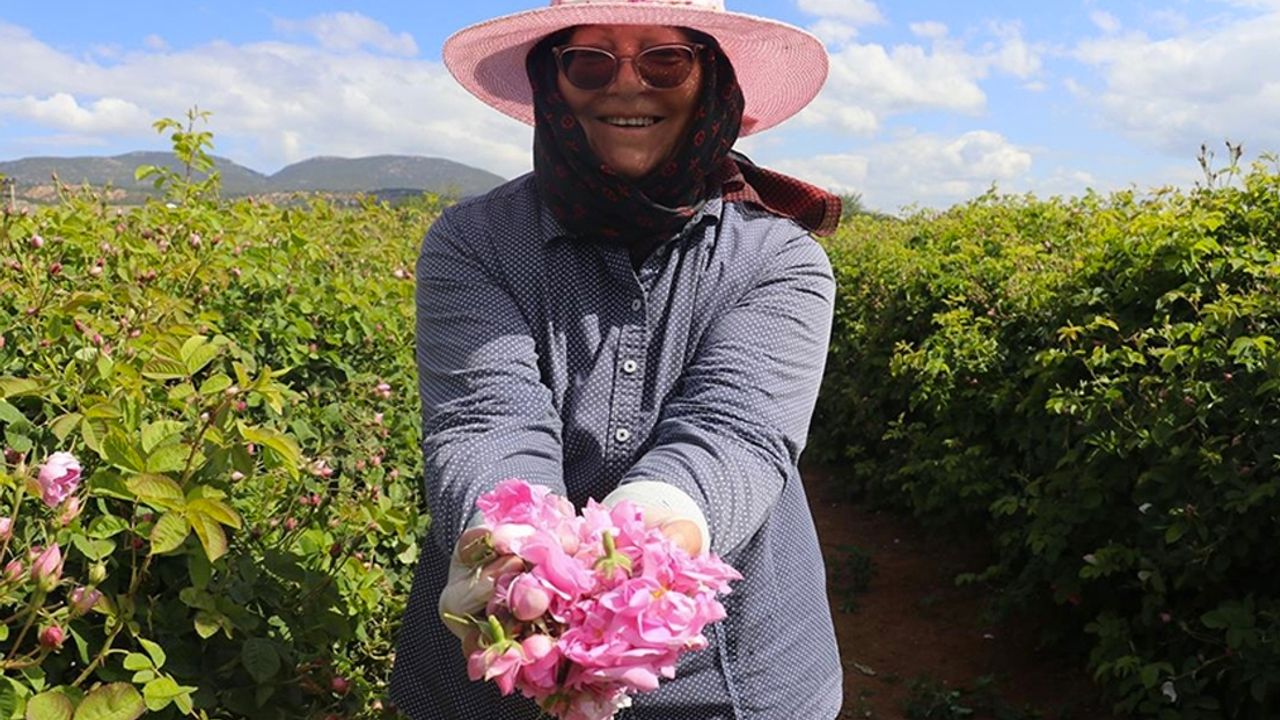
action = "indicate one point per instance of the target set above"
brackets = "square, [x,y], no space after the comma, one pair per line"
[486,414]
[733,432]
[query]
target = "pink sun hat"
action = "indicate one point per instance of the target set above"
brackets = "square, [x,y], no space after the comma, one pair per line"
[780,67]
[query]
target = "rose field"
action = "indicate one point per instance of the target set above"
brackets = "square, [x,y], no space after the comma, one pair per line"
[209,499]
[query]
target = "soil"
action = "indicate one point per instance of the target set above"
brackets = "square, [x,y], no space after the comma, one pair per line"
[913,644]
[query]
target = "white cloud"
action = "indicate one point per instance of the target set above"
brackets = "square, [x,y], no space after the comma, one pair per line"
[856,12]
[1105,21]
[925,169]
[870,82]
[272,102]
[63,112]
[834,32]
[155,42]
[929,30]
[347,32]
[1204,85]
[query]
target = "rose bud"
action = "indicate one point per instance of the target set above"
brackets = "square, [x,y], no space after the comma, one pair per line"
[46,569]
[13,571]
[527,598]
[291,524]
[377,418]
[6,528]
[237,476]
[55,269]
[82,600]
[95,271]
[97,573]
[37,242]
[340,685]
[70,511]
[335,550]
[51,637]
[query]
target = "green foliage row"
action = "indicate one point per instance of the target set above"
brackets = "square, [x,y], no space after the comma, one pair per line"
[237,381]
[1095,384]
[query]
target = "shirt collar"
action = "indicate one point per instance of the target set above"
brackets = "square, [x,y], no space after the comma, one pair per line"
[551,230]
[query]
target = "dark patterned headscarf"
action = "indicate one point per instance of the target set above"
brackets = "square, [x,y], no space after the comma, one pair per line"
[590,199]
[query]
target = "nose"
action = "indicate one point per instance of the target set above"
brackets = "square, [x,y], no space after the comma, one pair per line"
[627,79]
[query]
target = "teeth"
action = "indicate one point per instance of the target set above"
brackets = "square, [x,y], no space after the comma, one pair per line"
[631,122]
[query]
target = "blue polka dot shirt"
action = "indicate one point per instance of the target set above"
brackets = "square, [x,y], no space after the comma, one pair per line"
[554,359]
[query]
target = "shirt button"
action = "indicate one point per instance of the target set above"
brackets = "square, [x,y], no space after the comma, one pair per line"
[622,435]
[630,366]
[637,304]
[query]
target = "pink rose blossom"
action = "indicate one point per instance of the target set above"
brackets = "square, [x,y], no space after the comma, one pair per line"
[621,602]
[6,528]
[58,478]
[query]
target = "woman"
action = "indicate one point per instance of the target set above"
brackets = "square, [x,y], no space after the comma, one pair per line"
[644,317]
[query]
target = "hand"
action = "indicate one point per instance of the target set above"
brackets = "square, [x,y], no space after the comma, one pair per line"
[669,509]
[472,572]
[682,531]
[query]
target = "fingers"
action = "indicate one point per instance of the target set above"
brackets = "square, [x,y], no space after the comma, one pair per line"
[474,546]
[684,533]
[469,590]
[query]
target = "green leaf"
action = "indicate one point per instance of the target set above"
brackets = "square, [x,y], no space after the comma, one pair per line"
[116,701]
[120,452]
[215,384]
[206,624]
[17,440]
[169,532]
[64,425]
[160,368]
[170,458]
[157,490]
[154,650]
[137,661]
[200,570]
[217,510]
[107,526]
[154,434]
[260,659]
[92,436]
[202,356]
[9,413]
[210,533]
[93,549]
[108,483]
[281,444]
[51,705]
[160,692]
[14,387]
[8,698]
[191,345]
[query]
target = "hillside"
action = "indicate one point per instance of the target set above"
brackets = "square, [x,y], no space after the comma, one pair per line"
[33,175]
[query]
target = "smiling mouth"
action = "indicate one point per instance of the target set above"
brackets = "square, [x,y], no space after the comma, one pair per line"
[631,122]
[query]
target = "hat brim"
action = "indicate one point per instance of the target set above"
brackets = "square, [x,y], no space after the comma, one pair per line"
[780,67]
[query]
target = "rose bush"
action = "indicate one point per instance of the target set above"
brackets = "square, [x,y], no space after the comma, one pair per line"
[1094,384]
[208,500]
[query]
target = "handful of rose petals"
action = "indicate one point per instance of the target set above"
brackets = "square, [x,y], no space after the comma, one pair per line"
[602,609]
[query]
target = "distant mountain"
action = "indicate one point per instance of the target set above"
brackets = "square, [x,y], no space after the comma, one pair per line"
[385,172]
[118,171]
[399,173]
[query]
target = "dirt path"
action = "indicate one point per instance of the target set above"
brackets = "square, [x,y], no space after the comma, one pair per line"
[916,646]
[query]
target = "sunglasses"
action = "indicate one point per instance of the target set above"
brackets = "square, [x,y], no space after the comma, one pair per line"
[661,67]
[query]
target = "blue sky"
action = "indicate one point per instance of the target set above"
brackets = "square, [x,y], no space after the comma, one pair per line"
[929,103]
